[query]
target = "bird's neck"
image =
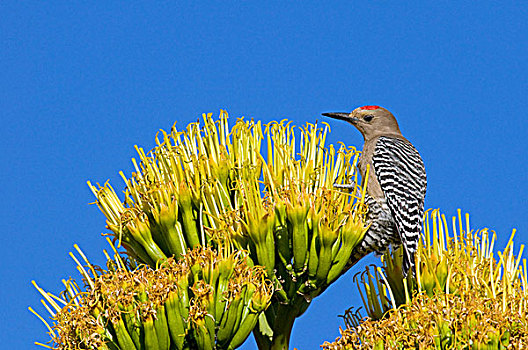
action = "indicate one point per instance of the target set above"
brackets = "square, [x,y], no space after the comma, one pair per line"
[376,136]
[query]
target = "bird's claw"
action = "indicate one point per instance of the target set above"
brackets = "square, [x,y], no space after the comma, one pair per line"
[345,186]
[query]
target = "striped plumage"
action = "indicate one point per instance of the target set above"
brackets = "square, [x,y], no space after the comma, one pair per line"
[381,232]
[396,185]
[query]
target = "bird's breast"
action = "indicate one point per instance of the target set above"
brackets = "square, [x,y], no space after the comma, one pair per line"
[373,186]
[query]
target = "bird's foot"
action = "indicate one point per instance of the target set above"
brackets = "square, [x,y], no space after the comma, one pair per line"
[345,186]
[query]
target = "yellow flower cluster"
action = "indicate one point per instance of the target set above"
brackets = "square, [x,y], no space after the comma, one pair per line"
[215,186]
[464,296]
[206,300]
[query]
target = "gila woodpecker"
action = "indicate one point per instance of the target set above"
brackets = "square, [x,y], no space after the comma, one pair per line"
[396,183]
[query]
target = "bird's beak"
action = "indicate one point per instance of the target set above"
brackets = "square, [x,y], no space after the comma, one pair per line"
[342,116]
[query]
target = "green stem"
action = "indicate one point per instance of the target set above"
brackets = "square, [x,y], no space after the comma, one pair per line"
[263,342]
[281,324]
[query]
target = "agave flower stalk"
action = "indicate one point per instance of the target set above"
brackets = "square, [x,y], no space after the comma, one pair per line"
[206,300]
[268,189]
[463,295]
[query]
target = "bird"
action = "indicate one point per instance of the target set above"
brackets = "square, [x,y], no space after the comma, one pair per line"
[396,184]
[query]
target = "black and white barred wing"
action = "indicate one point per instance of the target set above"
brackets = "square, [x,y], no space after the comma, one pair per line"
[401,175]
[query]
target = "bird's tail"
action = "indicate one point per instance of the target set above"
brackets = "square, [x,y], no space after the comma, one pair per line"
[408,262]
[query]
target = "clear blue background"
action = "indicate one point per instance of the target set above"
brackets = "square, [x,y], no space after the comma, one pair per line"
[81,84]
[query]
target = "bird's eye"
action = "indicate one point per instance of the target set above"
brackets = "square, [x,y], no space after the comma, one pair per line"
[368,118]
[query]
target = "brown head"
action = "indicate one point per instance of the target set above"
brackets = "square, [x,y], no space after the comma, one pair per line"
[371,121]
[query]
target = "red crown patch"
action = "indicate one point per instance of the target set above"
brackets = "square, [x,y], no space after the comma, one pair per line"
[370,107]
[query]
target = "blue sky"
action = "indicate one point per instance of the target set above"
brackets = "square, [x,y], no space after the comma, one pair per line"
[81,84]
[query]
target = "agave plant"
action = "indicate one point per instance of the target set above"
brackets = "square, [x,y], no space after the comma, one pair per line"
[464,296]
[267,190]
